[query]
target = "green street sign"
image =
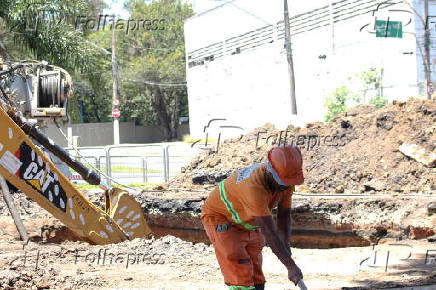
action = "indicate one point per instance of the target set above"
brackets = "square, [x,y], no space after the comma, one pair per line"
[386,28]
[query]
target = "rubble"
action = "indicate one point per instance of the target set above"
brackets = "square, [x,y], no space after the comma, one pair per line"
[359,151]
[431,208]
[165,250]
[419,154]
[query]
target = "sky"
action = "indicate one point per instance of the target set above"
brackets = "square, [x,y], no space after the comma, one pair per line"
[116,6]
[295,6]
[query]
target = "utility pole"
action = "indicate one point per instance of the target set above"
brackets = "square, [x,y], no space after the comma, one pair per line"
[115,101]
[332,27]
[290,61]
[427,52]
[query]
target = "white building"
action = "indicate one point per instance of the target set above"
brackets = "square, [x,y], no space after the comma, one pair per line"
[237,68]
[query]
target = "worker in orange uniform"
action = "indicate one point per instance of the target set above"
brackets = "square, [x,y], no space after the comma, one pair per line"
[237,218]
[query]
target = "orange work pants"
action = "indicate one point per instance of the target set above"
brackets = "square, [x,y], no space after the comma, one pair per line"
[239,254]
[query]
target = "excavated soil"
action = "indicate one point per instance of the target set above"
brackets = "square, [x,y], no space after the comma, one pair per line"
[373,226]
[345,240]
[318,221]
[357,152]
[171,263]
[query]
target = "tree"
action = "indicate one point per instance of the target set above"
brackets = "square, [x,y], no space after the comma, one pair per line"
[336,104]
[370,80]
[48,30]
[153,66]
[151,61]
[343,97]
[151,58]
[94,87]
[45,30]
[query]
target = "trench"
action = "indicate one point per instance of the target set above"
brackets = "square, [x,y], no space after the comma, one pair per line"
[317,223]
[303,239]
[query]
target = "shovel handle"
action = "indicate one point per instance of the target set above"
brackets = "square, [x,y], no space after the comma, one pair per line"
[301,285]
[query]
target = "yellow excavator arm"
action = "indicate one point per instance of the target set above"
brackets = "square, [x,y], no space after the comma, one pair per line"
[25,166]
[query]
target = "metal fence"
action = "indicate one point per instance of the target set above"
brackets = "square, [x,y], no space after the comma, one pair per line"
[129,164]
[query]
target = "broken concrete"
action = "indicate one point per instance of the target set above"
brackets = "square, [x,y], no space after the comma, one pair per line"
[419,154]
[431,208]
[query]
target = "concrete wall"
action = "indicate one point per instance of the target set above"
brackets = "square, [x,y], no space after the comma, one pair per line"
[251,88]
[101,134]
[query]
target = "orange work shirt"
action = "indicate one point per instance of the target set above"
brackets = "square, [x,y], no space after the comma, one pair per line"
[243,195]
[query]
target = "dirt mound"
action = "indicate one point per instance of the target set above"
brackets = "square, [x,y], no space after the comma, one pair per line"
[392,149]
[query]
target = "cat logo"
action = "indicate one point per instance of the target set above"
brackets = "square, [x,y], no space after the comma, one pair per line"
[39,175]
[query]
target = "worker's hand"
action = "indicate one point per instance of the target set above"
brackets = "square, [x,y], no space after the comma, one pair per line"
[295,274]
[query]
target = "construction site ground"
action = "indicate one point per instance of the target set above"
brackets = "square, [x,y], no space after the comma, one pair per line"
[373,226]
[171,263]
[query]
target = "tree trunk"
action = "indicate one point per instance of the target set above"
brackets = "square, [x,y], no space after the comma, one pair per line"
[168,115]
[159,107]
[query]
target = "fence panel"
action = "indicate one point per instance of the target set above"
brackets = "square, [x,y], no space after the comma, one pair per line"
[179,156]
[136,163]
[129,164]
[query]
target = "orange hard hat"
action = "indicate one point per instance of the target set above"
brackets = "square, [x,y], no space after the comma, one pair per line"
[285,163]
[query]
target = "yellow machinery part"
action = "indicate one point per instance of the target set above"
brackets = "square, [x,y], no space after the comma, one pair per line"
[26,167]
[126,212]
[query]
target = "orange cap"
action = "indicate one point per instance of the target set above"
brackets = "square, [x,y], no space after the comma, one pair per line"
[285,163]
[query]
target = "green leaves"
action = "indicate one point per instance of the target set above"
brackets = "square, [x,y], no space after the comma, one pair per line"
[336,104]
[46,29]
[344,97]
[379,101]
[151,57]
[152,67]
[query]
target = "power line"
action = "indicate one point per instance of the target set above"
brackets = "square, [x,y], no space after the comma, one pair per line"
[249,13]
[156,84]
[151,48]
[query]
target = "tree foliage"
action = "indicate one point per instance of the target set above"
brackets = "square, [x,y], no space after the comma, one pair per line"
[151,58]
[45,29]
[343,97]
[153,69]
[336,104]
[370,80]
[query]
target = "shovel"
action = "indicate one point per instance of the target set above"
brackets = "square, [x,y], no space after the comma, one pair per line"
[301,285]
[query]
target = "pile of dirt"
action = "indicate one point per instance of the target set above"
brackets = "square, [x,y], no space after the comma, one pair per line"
[392,149]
